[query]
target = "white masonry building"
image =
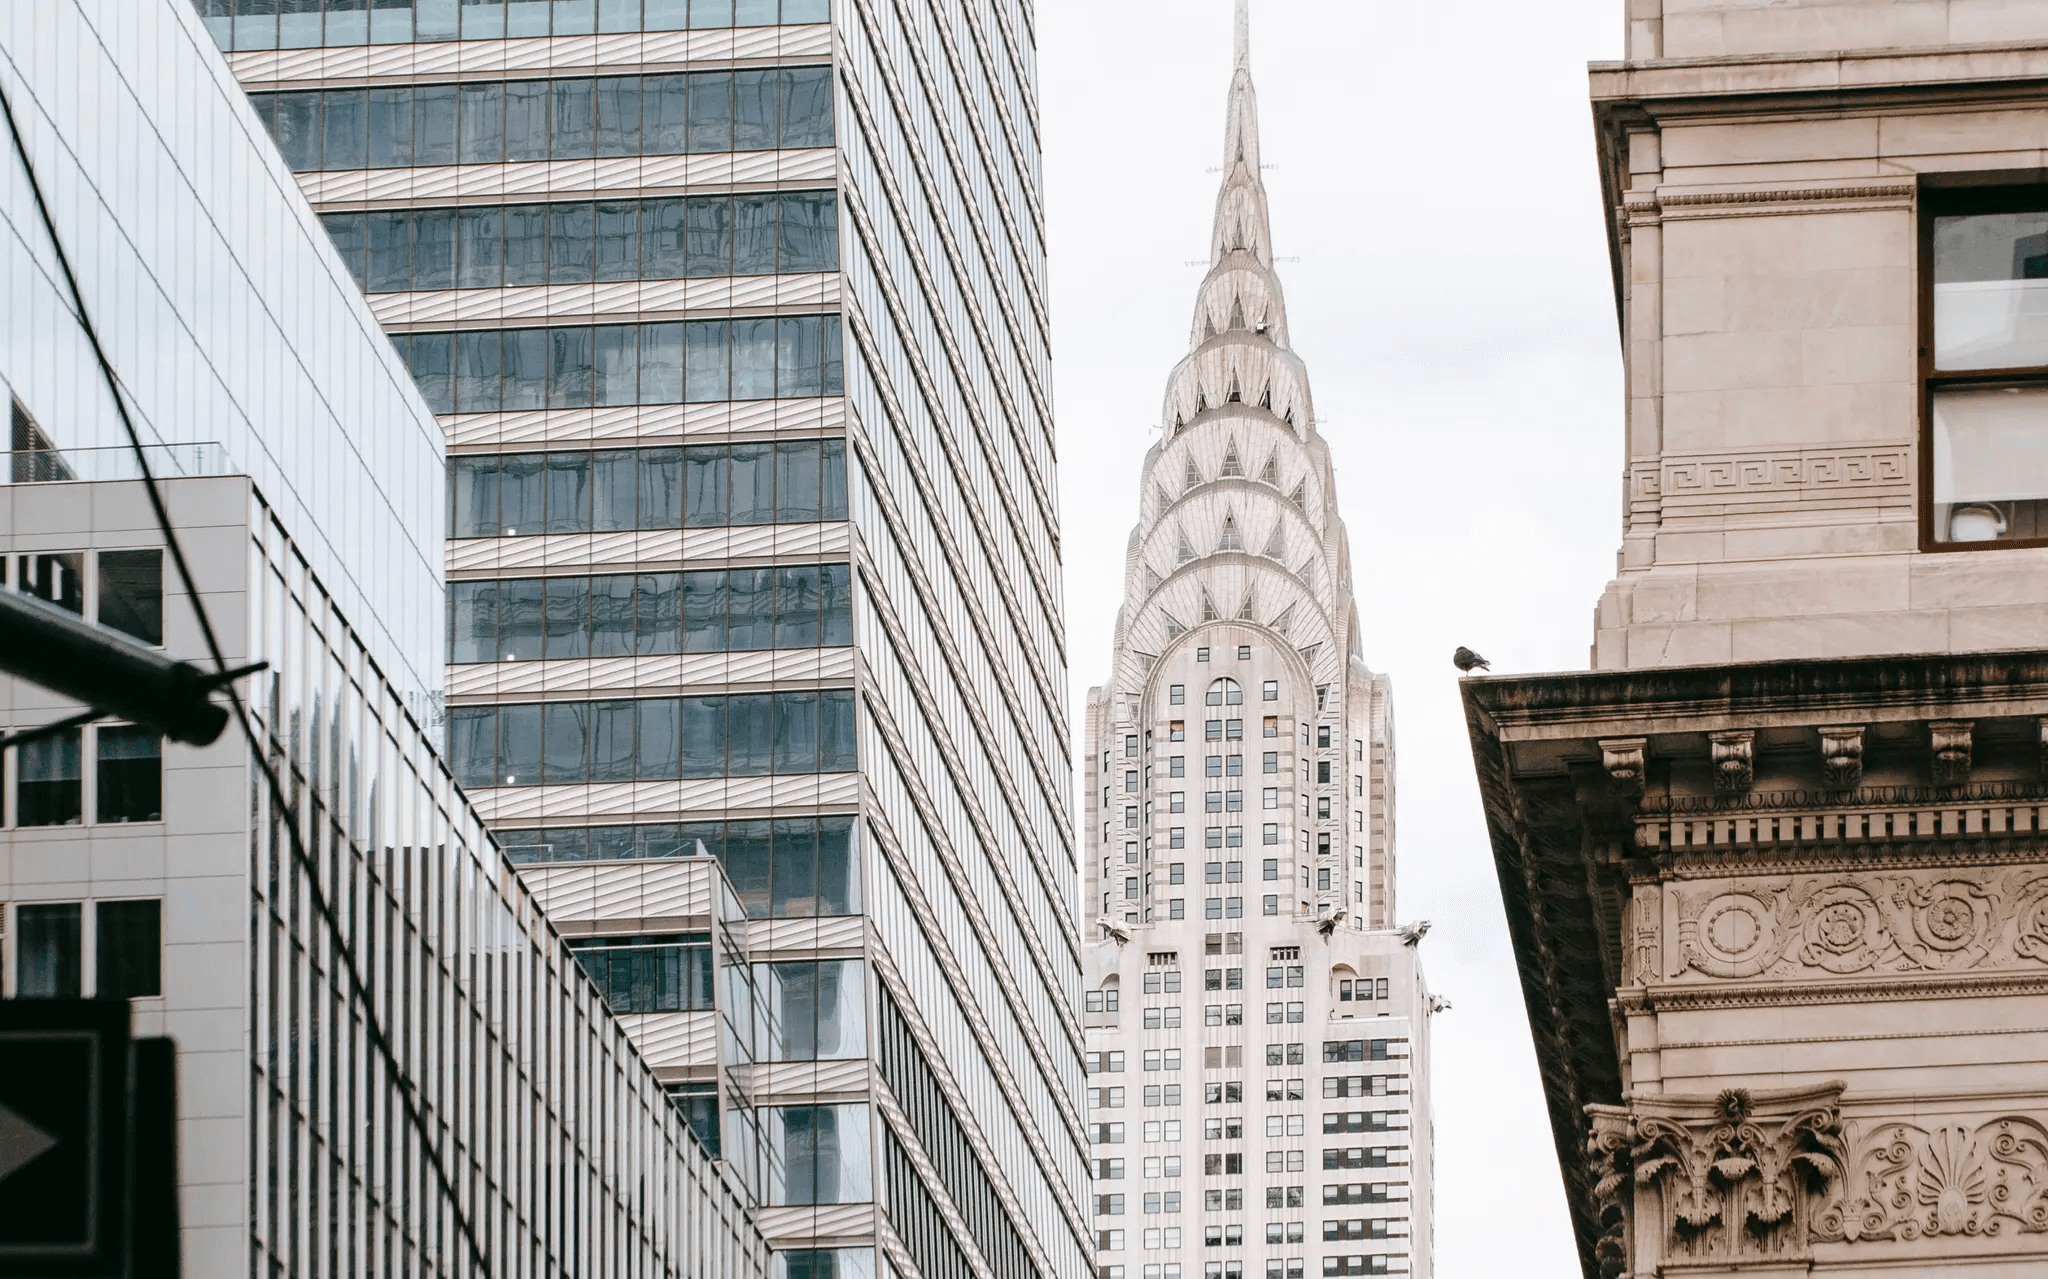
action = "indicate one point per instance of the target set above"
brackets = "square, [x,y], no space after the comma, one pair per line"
[1257,1030]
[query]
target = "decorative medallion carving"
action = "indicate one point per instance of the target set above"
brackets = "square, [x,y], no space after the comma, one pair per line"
[1736,1176]
[1904,1182]
[1926,921]
[1622,757]
[1951,740]
[1734,755]
[1841,758]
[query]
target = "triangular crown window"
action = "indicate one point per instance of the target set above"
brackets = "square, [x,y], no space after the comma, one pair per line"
[1231,539]
[1191,476]
[1232,463]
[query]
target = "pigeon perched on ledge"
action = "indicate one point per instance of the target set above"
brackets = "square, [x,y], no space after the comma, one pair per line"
[1468,661]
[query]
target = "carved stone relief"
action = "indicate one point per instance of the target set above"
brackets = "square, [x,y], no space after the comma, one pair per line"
[1951,741]
[1841,758]
[1733,1177]
[1928,921]
[1905,1182]
[1622,757]
[1642,959]
[1734,756]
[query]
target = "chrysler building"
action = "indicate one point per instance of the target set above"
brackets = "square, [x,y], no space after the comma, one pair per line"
[1257,1027]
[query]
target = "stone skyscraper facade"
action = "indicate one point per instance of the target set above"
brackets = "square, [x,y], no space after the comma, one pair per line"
[733,313]
[1257,1031]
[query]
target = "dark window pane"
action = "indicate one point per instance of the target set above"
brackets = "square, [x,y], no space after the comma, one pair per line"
[129,785]
[750,609]
[472,621]
[57,578]
[525,369]
[480,249]
[526,119]
[707,353]
[520,485]
[753,483]
[796,481]
[753,234]
[569,368]
[749,734]
[838,874]
[47,952]
[390,252]
[662,224]
[611,616]
[570,250]
[565,743]
[797,371]
[618,107]
[704,611]
[526,244]
[128,943]
[575,120]
[390,137]
[796,606]
[343,121]
[568,492]
[703,736]
[746,855]
[833,378]
[472,744]
[296,126]
[132,593]
[433,249]
[473,496]
[710,109]
[658,607]
[809,232]
[478,375]
[753,359]
[753,96]
[48,787]
[665,115]
[568,618]
[434,124]
[351,241]
[661,488]
[615,357]
[832,478]
[658,736]
[796,732]
[806,116]
[612,744]
[617,238]
[661,363]
[708,235]
[483,124]
[433,368]
[520,619]
[836,732]
[836,592]
[707,486]
[611,490]
[614,843]
[795,891]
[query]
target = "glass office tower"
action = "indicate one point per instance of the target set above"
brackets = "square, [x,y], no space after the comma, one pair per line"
[733,313]
[387,1060]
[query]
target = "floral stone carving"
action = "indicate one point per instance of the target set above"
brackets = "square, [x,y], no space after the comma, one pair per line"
[1904,1182]
[1739,1175]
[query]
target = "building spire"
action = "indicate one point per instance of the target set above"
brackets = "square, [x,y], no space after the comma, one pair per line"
[1241,238]
[1244,34]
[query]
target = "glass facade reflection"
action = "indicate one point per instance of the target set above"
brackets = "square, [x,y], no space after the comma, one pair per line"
[700,315]
[309,24]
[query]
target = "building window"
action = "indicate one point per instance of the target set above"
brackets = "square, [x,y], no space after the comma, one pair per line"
[49,788]
[53,577]
[131,594]
[1177,694]
[47,950]
[128,949]
[1201,654]
[129,781]
[817,1009]
[664,973]
[825,1154]
[698,1104]
[1985,366]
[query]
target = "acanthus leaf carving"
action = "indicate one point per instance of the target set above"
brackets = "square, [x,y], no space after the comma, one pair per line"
[1951,741]
[1905,1182]
[1734,757]
[1841,757]
[1622,757]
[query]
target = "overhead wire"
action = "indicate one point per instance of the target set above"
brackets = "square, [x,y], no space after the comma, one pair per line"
[359,990]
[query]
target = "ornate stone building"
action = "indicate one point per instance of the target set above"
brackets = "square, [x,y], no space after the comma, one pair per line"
[1257,1033]
[1774,867]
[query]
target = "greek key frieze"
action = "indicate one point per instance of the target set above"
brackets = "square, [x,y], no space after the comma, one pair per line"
[1863,468]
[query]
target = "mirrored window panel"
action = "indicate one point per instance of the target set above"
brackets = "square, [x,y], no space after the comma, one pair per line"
[653,739]
[781,868]
[651,614]
[238,25]
[566,118]
[498,246]
[1987,396]
[665,973]
[826,1154]
[681,362]
[818,1009]
[623,490]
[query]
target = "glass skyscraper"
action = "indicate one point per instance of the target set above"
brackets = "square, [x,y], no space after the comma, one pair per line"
[733,314]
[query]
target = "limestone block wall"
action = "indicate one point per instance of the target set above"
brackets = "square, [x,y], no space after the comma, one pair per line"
[1723,28]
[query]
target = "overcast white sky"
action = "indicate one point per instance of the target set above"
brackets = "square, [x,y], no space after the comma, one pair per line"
[1435,177]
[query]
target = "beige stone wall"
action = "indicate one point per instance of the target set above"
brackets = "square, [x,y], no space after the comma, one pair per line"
[1770,318]
[1724,28]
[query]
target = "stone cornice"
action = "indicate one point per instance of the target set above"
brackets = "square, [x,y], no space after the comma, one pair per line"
[1970,71]
[1788,994]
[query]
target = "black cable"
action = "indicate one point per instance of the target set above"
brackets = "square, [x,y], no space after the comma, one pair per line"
[358,988]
